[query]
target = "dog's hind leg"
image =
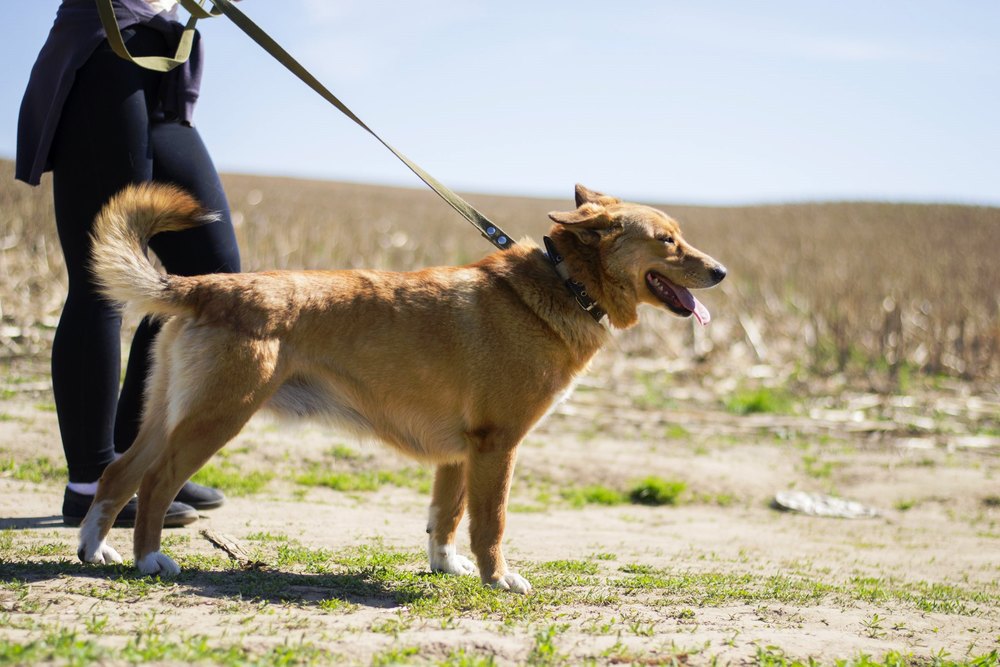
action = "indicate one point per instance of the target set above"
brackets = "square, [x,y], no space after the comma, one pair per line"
[189,446]
[447,507]
[219,398]
[492,454]
[117,486]
[121,479]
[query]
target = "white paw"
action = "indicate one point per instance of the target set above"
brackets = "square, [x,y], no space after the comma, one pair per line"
[512,582]
[93,548]
[102,554]
[444,559]
[157,563]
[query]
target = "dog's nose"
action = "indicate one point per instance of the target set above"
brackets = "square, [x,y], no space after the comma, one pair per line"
[718,272]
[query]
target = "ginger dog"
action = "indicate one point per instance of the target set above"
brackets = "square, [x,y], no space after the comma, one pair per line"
[450,365]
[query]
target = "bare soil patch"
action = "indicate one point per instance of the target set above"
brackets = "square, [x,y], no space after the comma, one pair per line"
[718,576]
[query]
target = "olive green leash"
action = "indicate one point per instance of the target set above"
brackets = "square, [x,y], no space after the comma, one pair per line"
[492,232]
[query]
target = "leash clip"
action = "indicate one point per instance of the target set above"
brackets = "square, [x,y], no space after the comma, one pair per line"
[496,236]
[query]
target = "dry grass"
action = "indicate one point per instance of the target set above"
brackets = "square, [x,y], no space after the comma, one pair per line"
[873,291]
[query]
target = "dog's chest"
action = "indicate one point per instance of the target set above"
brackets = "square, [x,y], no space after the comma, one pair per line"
[560,398]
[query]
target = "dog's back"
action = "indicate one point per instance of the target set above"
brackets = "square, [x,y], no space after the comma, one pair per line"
[418,359]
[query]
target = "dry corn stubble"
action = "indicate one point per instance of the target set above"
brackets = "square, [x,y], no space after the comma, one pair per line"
[865,288]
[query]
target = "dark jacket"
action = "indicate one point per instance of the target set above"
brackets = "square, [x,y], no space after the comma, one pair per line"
[76,33]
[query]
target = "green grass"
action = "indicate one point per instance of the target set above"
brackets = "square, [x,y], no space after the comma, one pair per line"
[267,537]
[594,494]
[290,554]
[232,480]
[649,491]
[339,582]
[409,478]
[6,543]
[392,626]
[68,647]
[676,432]
[773,656]
[656,491]
[60,645]
[336,605]
[761,400]
[292,572]
[381,577]
[39,469]
[817,468]
[463,658]
[544,652]
[722,499]
[584,567]
[31,548]
[925,596]
[372,575]
[395,656]
[717,588]
[344,453]
[45,550]
[371,571]
[128,586]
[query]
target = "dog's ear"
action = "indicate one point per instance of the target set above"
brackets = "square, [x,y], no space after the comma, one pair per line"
[586,196]
[591,217]
[589,222]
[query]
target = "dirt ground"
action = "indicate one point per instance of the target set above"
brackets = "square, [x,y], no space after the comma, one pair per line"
[719,576]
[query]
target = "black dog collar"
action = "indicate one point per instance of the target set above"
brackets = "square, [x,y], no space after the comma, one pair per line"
[577,289]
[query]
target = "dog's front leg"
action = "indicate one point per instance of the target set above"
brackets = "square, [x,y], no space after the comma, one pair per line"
[490,466]
[447,507]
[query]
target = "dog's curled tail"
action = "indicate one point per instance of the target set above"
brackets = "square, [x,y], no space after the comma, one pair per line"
[121,233]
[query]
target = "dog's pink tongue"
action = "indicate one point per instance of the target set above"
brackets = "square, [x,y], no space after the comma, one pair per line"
[696,307]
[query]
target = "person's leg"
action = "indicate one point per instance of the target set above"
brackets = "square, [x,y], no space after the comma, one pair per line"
[101,145]
[180,158]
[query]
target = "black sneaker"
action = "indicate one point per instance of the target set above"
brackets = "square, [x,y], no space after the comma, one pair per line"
[75,506]
[200,497]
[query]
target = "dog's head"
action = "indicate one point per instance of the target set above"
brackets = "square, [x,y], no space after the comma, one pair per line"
[629,254]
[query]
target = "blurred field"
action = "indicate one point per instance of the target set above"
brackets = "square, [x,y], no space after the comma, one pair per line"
[854,350]
[873,293]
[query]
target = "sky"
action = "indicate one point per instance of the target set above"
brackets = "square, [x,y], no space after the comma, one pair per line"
[726,102]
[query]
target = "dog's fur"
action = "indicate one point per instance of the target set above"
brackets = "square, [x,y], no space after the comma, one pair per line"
[450,365]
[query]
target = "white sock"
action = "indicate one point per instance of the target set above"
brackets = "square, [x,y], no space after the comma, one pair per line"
[83,488]
[87,488]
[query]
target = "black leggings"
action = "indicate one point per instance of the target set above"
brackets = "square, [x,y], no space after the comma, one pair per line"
[111,134]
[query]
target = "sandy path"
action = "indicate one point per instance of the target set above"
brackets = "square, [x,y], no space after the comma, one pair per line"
[731,576]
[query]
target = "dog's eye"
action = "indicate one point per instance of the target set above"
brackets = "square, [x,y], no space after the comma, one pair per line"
[663,238]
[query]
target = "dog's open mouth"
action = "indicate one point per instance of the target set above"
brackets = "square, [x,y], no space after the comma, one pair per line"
[678,299]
